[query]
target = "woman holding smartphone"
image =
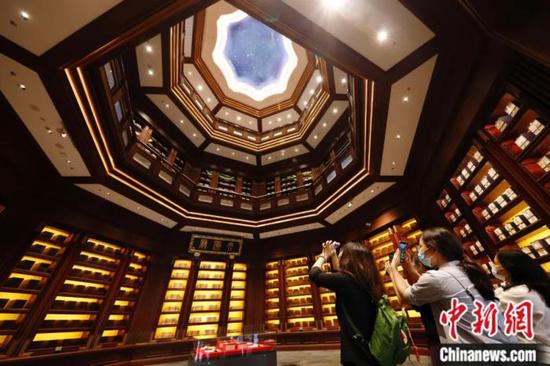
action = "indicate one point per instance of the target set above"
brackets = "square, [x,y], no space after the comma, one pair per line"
[358,288]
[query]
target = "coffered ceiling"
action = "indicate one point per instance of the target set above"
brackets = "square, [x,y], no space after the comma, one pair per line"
[259,87]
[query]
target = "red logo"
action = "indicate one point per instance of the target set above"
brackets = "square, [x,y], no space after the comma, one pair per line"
[519,319]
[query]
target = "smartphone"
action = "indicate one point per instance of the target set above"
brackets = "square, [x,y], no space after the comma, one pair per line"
[402,251]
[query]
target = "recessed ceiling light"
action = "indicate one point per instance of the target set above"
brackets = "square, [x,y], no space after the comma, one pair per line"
[319,78]
[333,4]
[138,208]
[24,15]
[151,72]
[22,87]
[181,121]
[64,134]
[398,136]
[208,100]
[246,157]
[382,36]
[334,110]
[49,130]
[344,80]
[167,105]
[405,99]
[315,137]
[269,158]
[269,122]
[296,150]
[108,193]
[69,162]
[194,134]
[393,163]
[217,149]
[282,153]
[148,48]
[289,116]
[372,191]
[227,113]
[239,118]
[249,122]
[311,91]
[199,87]
[189,73]
[233,153]
[350,204]
[305,102]
[279,119]
[324,124]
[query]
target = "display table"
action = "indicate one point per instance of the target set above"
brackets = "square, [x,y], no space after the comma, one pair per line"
[235,353]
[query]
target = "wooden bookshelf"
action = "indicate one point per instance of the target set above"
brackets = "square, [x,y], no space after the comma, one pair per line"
[505,204]
[172,305]
[204,316]
[272,297]
[21,290]
[235,317]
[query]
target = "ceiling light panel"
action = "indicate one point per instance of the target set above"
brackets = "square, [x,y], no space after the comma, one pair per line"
[127,203]
[238,118]
[230,153]
[188,39]
[364,21]
[291,230]
[311,86]
[201,87]
[359,200]
[280,119]
[48,20]
[174,114]
[403,117]
[149,60]
[37,111]
[282,154]
[340,81]
[327,121]
[207,230]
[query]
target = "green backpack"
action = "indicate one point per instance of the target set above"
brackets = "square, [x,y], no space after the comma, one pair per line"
[391,340]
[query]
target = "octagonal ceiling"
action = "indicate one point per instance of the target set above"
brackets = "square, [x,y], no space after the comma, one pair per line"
[200,76]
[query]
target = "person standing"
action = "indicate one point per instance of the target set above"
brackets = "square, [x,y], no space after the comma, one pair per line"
[358,288]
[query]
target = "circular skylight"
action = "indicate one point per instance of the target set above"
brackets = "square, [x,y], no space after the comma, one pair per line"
[254,59]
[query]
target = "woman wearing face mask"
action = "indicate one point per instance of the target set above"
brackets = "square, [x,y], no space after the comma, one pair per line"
[358,288]
[452,276]
[526,280]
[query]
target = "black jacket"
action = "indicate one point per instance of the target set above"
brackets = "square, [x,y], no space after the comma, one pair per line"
[360,308]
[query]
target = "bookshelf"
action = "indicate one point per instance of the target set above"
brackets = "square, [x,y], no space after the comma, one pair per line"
[204,316]
[90,280]
[172,304]
[328,303]
[272,297]
[300,314]
[28,278]
[504,203]
[235,318]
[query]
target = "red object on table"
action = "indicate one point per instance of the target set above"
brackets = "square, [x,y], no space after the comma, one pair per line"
[231,347]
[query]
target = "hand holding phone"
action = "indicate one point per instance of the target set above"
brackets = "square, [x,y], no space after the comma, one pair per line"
[402,251]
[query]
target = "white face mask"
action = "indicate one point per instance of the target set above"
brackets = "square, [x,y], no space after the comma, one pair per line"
[496,274]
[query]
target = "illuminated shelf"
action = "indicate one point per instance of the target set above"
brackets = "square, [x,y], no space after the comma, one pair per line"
[272,293]
[123,306]
[207,294]
[30,275]
[236,313]
[173,300]
[298,295]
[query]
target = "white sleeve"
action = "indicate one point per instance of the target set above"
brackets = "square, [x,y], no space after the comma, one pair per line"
[426,290]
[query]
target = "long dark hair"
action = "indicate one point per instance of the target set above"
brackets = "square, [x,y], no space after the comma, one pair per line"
[525,271]
[447,244]
[358,262]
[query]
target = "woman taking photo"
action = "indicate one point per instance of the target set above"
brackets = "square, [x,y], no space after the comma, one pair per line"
[452,276]
[526,280]
[358,288]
